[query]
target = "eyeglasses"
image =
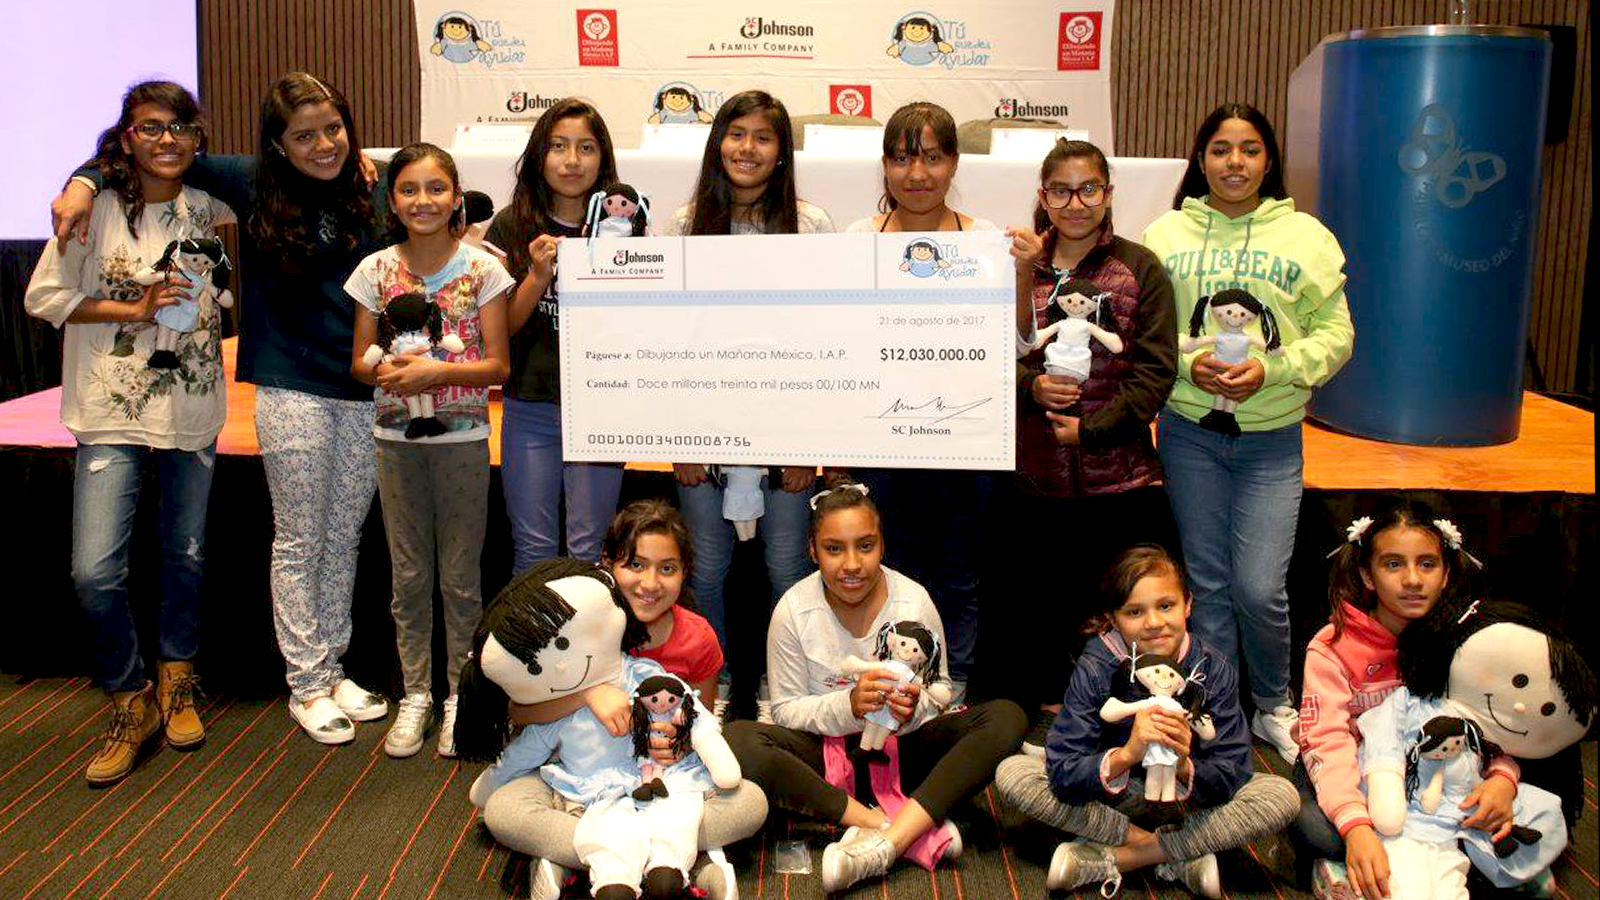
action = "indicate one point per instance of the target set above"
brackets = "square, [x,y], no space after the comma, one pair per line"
[151,130]
[1091,194]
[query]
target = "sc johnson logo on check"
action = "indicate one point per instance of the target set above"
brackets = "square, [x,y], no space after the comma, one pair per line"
[631,265]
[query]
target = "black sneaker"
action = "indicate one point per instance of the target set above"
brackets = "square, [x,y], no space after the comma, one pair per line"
[1033,739]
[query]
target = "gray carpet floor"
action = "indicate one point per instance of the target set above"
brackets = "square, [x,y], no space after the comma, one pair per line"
[263,812]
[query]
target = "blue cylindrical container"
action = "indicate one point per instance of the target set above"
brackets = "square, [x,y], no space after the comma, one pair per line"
[1428,162]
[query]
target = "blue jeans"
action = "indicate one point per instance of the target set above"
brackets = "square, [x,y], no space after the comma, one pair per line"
[534,478]
[785,529]
[105,496]
[1236,501]
[933,523]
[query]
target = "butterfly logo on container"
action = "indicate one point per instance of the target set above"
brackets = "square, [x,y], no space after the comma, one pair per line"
[1435,151]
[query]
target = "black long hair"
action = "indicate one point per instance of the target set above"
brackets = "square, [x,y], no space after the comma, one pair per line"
[1269,322]
[776,211]
[1428,645]
[523,618]
[116,164]
[531,199]
[1194,182]
[284,194]
[641,715]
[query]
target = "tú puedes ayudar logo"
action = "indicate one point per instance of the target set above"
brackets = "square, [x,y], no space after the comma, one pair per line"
[461,38]
[920,38]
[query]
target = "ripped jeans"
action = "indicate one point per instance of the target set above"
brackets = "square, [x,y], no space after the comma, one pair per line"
[105,496]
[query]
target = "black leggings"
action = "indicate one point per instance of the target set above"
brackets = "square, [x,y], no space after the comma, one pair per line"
[949,759]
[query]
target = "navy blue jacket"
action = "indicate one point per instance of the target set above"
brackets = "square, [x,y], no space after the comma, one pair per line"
[1080,738]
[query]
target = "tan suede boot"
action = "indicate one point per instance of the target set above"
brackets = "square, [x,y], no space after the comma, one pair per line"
[175,688]
[135,719]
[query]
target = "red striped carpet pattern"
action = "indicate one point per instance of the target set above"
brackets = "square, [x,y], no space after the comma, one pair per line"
[262,812]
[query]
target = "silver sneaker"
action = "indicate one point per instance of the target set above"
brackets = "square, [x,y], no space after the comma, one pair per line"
[866,854]
[1080,862]
[447,729]
[546,881]
[410,726]
[360,704]
[1200,875]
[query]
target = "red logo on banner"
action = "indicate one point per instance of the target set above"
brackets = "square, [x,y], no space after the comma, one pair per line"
[597,37]
[1080,42]
[850,99]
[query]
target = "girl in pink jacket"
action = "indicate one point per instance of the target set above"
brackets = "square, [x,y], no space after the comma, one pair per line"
[1392,569]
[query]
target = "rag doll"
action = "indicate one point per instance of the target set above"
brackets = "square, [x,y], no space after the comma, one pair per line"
[1232,310]
[202,263]
[1163,678]
[555,630]
[1519,688]
[1077,314]
[912,652]
[411,324]
[660,698]
[617,211]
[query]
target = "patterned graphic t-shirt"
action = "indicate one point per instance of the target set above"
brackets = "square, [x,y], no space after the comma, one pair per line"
[460,288]
[109,393]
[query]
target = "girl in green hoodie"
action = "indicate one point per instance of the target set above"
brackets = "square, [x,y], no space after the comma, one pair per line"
[1235,483]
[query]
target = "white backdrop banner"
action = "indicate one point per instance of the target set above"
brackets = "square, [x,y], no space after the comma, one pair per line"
[639,61]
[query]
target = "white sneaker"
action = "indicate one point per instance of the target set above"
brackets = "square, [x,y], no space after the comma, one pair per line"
[1080,862]
[323,721]
[1277,728]
[447,729]
[546,881]
[716,877]
[1200,875]
[953,849]
[410,726]
[360,704]
[867,854]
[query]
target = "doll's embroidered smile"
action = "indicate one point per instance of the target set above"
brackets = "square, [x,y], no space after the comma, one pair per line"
[1488,700]
[588,660]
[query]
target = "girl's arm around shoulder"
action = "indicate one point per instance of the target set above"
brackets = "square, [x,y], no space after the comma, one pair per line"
[230,177]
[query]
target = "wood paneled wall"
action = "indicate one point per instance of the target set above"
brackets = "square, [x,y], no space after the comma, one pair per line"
[1172,62]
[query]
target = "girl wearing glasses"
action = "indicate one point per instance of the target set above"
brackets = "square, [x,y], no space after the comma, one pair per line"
[310,217]
[1236,491]
[938,515]
[126,415]
[1085,465]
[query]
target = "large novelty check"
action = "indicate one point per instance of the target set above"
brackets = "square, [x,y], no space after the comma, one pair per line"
[838,349]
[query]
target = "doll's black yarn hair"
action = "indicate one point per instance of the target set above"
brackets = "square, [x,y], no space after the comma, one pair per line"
[1435,732]
[925,638]
[1428,645]
[1269,323]
[1072,285]
[406,313]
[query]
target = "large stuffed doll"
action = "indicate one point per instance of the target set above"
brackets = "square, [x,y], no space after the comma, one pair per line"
[555,630]
[1481,678]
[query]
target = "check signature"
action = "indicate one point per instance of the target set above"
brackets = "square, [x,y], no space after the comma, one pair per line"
[935,410]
